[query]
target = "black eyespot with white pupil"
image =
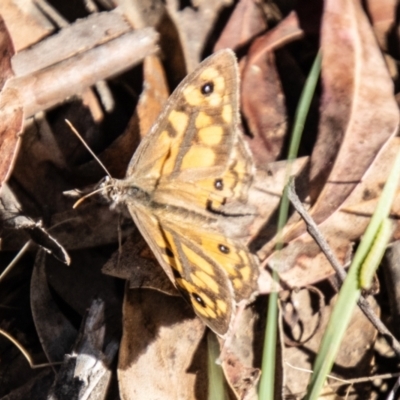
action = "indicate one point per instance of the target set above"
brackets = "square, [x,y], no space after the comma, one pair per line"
[224,249]
[199,299]
[207,88]
[219,184]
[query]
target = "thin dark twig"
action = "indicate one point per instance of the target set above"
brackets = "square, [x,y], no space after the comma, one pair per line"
[315,233]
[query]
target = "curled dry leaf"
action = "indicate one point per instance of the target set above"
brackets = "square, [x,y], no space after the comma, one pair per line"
[55,331]
[40,236]
[301,311]
[245,23]
[262,100]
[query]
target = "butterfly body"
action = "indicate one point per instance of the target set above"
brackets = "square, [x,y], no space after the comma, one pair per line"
[186,189]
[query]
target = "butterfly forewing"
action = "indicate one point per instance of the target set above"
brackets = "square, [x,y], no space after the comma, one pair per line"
[195,133]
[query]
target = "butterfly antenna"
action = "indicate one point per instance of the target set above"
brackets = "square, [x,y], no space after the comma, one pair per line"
[88,149]
[78,202]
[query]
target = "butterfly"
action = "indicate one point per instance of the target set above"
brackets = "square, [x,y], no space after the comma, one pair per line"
[186,188]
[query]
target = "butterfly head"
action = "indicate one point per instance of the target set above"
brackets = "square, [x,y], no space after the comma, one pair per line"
[111,190]
[117,191]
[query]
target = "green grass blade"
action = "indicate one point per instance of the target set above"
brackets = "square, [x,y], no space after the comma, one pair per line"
[266,388]
[374,257]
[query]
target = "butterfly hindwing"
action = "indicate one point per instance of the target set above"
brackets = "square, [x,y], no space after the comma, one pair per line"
[196,276]
[213,271]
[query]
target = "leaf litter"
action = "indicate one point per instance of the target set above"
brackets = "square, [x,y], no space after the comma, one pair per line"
[110,72]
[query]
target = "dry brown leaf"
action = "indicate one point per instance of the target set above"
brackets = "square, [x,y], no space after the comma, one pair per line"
[353,360]
[194,25]
[245,23]
[136,263]
[265,195]
[238,357]
[163,351]
[155,93]
[11,113]
[77,294]
[262,100]
[154,13]
[359,113]
[301,262]
[26,23]
[117,155]
[39,149]
[383,16]
[55,331]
